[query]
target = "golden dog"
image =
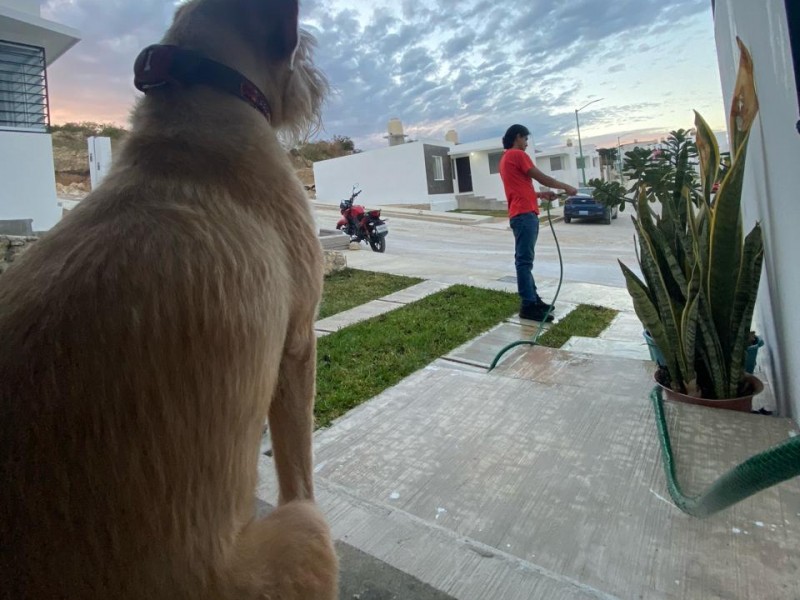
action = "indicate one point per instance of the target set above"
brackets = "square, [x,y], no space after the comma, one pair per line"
[146,339]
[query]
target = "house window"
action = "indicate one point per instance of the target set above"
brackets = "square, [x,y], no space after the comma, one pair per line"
[453,168]
[580,162]
[494,162]
[555,163]
[438,168]
[594,162]
[23,87]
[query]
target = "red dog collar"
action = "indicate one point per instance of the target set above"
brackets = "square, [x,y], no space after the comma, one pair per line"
[160,65]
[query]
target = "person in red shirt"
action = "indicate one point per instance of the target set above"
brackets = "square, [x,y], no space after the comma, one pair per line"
[518,172]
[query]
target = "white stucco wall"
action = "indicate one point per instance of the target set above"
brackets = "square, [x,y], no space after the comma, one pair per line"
[570,173]
[27,179]
[490,185]
[391,175]
[772,178]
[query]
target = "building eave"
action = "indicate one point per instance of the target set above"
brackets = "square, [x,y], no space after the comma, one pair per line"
[24,28]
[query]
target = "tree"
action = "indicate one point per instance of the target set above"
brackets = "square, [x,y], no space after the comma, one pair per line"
[340,145]
[608,159]
[89,129]
[345,143]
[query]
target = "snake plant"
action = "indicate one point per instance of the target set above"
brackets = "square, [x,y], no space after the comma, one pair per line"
[700,272]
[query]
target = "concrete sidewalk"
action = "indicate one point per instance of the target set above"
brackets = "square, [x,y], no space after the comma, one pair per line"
[543,480]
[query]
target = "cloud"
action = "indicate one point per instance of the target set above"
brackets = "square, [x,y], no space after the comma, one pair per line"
[475,65]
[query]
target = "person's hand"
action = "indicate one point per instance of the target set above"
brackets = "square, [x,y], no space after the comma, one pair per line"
[547,196]
[571,191]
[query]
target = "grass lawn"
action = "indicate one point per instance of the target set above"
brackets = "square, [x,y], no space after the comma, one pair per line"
[362,360]
[349,288]
[585,321]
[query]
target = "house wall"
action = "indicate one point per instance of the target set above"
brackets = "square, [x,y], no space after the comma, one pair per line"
[442,186]
[570,173]
[490,185]
[772,179]
[391,175]
[485,183]
[28,189]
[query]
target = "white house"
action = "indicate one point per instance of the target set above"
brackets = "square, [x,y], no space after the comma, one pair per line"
[477,166]
[28,45]
[435,173]
[411,173]
[772,179]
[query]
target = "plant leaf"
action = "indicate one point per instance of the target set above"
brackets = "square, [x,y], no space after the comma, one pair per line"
[708,150]
[744,106]
[689,332]
[712,350]
[664,302]
[725,249]
[651,319]
[746,293]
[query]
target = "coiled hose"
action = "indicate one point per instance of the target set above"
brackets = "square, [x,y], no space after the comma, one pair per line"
[757,473]
[750,477]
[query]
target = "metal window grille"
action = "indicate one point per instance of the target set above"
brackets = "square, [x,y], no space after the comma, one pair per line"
[23,87]
[555,163]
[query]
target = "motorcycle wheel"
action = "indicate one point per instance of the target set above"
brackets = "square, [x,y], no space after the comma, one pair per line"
[378,243]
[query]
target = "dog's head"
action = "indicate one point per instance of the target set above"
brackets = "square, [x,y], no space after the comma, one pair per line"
[262,40]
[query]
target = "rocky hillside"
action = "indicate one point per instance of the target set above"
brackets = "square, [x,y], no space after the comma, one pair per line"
[71,155]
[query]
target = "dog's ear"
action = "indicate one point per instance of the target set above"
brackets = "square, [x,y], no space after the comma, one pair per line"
[275,22]
[285,34]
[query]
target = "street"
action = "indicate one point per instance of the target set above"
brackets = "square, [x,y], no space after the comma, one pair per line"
[484,254]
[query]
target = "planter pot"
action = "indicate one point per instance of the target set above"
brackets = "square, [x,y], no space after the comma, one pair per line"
[655,353]
[750,356]
[744,404]
[749,359]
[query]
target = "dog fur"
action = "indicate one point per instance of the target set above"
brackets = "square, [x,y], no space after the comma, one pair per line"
[146,339]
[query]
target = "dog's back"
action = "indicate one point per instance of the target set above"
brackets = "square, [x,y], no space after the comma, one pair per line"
[144,341]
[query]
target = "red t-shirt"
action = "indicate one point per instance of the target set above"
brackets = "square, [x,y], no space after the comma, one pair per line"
[521,197]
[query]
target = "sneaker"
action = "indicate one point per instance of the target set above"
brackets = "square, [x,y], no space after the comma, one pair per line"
[544,305]
[535,313]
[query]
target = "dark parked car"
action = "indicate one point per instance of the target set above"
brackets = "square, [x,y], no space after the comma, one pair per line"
[583,206]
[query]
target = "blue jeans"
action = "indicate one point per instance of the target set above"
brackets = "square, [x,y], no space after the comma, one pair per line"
[526,232]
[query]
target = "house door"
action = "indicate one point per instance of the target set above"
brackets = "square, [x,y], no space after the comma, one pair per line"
[464,172]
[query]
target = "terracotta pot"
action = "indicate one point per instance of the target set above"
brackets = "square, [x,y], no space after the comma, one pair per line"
[743,404]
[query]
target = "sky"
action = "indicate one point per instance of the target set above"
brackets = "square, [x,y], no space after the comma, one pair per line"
[475,66]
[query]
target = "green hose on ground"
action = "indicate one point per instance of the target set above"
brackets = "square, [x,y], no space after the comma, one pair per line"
[535,339]
[753,475]
[757,473]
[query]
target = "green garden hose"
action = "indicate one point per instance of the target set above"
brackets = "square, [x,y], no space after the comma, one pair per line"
[753,475]
[757,473]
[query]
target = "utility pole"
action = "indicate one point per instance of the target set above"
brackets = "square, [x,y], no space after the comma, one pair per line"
[580,145]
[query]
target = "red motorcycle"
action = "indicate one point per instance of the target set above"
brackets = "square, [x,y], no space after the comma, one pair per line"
[361,224]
